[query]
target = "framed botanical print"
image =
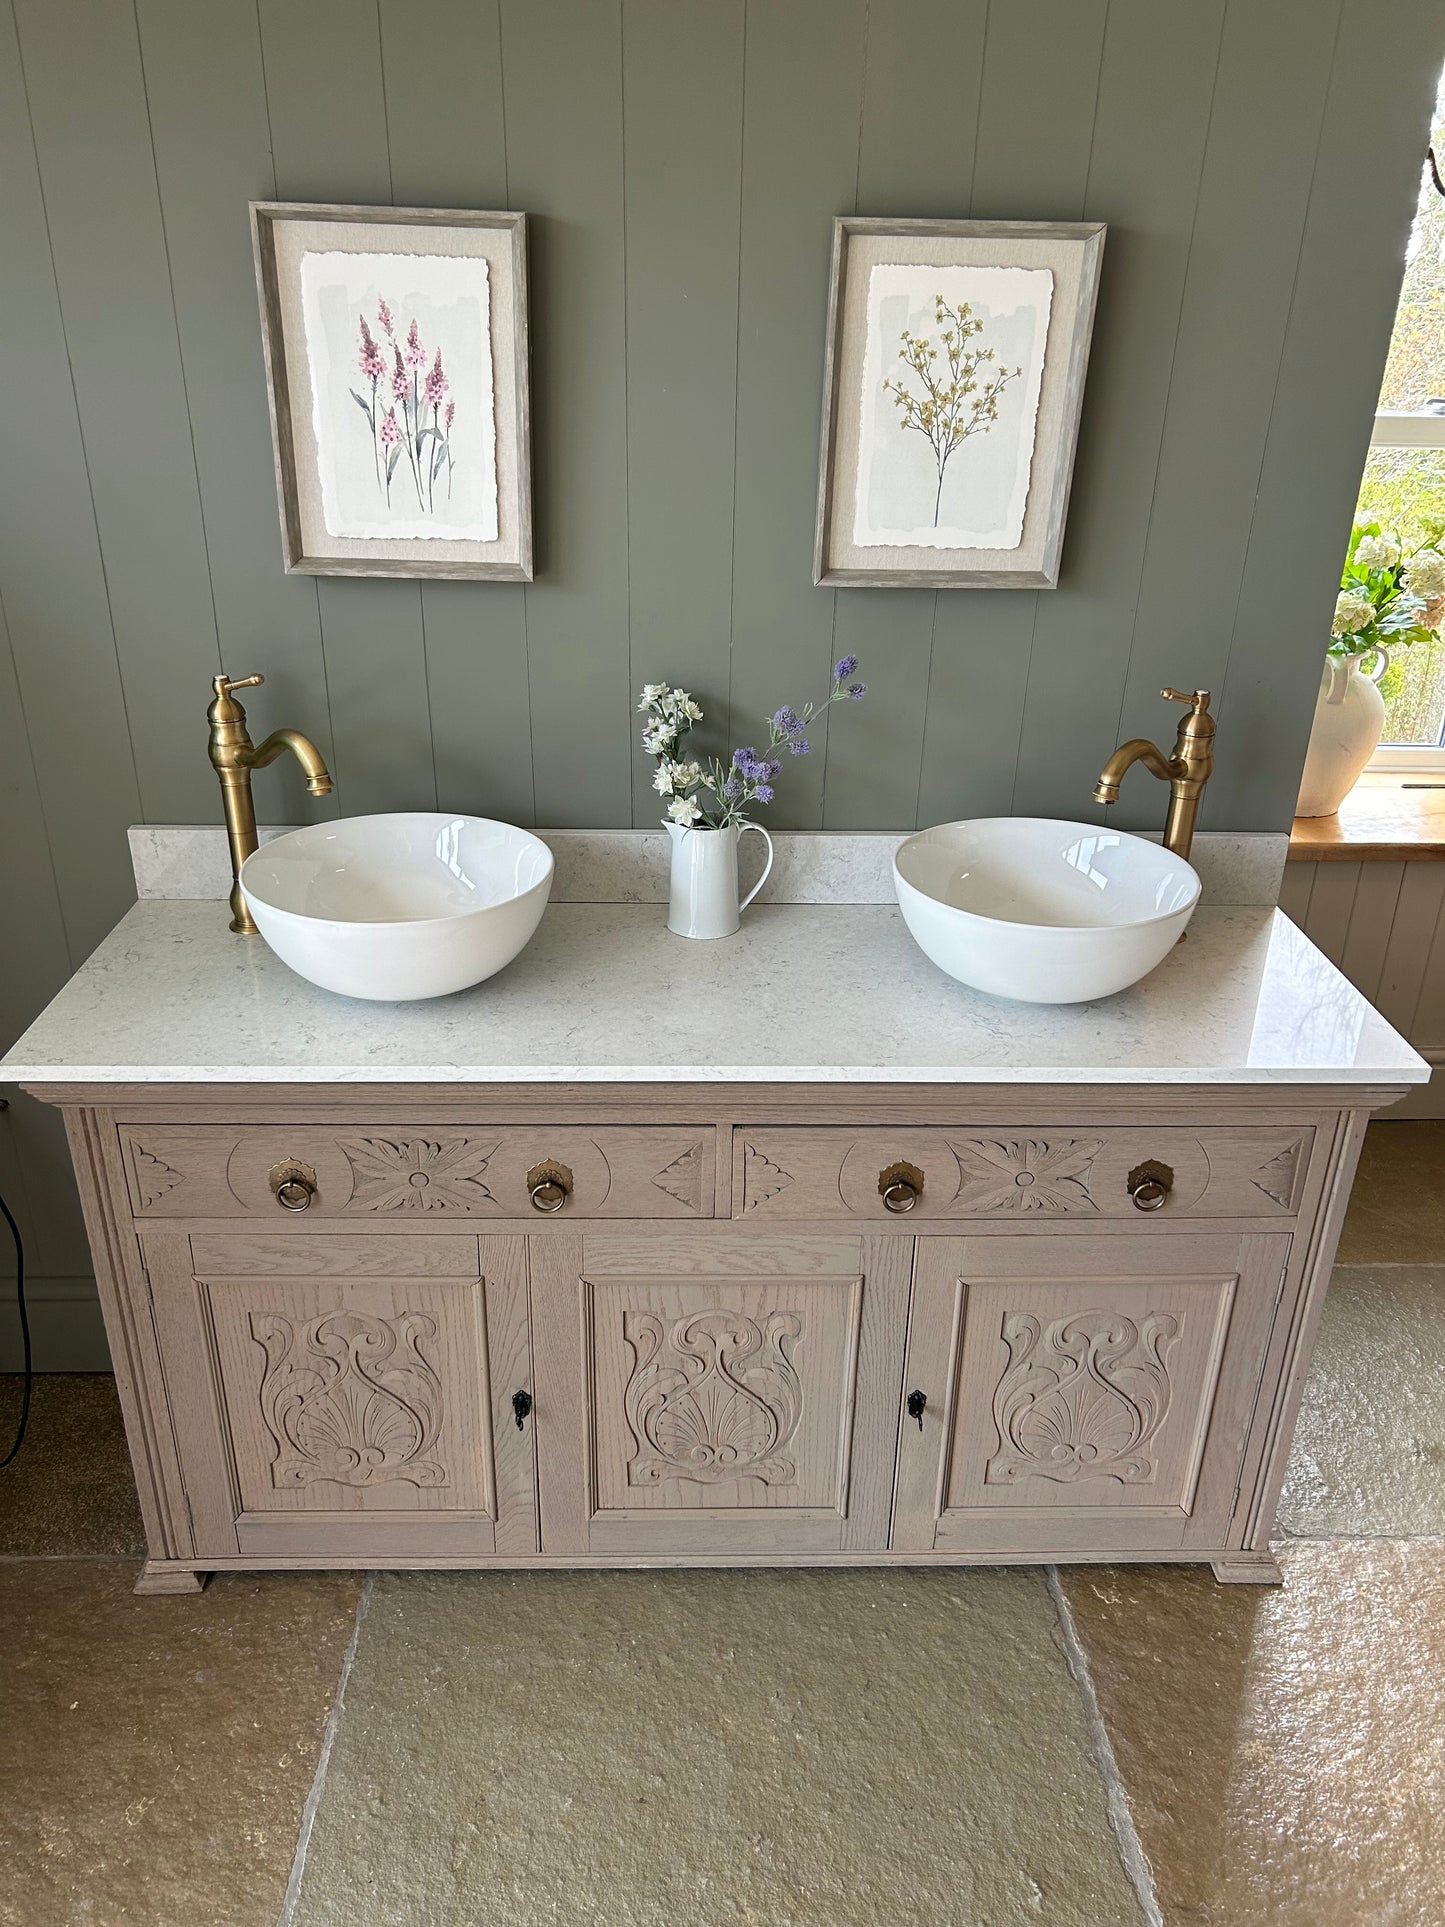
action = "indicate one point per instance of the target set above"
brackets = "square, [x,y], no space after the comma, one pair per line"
[954,380]
[396,362]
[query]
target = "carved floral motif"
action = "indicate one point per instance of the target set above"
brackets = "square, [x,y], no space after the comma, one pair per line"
[154,1178]
[762,1179]
[418,1174]
[1026,1174]
[351,1397]
[682,1179]
[1082,1398]
[1277,1178]
[713,1397]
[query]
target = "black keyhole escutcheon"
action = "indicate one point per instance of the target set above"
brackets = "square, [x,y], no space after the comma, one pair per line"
[917,1406]
[521,1406]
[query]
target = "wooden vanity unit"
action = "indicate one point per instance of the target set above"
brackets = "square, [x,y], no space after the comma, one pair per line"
[635,1320]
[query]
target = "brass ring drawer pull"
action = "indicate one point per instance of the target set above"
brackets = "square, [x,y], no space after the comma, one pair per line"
[900,1186]
[1149,1185]
[293,1184]
[550,1186]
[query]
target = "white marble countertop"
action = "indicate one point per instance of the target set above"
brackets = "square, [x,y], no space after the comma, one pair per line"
[806,993]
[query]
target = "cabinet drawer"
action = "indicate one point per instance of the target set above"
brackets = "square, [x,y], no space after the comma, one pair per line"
[383,1172]
[1063,1171]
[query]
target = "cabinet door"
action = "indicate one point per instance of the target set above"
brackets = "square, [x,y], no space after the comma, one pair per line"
[350,1397]
[1084,1393]
[714,1394]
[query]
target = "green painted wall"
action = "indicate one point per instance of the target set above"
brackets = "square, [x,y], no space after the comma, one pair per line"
[681,159]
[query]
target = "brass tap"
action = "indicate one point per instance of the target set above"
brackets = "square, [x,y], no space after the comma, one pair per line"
[233,757]
[1186,771]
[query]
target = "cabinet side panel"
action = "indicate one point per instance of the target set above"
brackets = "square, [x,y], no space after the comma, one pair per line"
[193,1389]
[126,1306]
[1280,1399]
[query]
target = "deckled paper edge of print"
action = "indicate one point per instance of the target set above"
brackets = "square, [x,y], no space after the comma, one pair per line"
[348,264]
[883,278]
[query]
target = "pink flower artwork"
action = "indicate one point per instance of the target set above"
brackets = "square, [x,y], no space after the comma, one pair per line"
[413,423]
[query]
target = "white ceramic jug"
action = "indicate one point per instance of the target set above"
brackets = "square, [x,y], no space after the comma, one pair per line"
[1349,719]
[703,901]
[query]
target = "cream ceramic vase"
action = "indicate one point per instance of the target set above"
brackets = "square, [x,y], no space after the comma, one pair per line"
[1349,719]
[703,901]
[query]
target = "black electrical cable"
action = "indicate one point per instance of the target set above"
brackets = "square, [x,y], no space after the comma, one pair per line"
[24,1333]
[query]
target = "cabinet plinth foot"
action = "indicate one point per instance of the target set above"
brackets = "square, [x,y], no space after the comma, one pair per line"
[1248,1569]
[159,1576]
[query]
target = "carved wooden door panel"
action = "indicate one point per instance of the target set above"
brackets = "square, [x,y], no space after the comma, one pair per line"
[714,1393]
[1083,1392]
[348,1396]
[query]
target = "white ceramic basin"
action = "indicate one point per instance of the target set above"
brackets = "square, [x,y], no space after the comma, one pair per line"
[395,907]
[1048,912]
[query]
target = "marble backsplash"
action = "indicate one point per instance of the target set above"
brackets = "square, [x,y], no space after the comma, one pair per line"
[631,866]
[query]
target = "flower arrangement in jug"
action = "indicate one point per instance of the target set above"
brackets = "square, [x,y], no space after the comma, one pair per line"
[714,795]
[1387,597]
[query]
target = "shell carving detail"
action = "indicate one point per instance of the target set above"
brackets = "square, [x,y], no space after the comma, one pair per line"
[1277,1178]
[682,1179]
[154,1177]
[352,1398]
[1026,1174]
[418,1174]
[713,1397]
[1082,1398]
[762,1179]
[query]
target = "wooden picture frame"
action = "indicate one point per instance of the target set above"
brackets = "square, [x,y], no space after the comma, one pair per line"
[1024,292]
[418,316]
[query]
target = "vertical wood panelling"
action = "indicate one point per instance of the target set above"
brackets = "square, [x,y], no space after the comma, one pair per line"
[207,98]
[327,106]
[1156,87]
[120,328]
[916,152]
[446,126]
[1035,135]
[682,83]
[1342,310]
[1376,900]
[1255,186]
[1294,893]
[1417,942]
[1332,903]
[682,166]
[34,1170]
[562,67]
[51,574]
[1427,1022]
[803,97]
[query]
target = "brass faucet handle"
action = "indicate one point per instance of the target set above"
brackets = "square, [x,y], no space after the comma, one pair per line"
[1199,701]
[223,684]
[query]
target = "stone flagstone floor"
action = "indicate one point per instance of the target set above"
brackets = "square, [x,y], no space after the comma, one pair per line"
[1130,1745]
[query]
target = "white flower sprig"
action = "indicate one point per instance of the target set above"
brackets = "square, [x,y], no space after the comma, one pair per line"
[715,795]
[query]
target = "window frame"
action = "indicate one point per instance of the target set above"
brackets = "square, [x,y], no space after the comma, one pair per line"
[1404,428]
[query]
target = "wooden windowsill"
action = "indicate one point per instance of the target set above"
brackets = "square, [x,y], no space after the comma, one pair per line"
[1379,821]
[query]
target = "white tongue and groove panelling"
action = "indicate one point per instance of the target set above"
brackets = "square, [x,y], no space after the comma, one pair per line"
[630,866]
[1383,924]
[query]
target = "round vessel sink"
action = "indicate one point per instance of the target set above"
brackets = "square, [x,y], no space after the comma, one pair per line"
[396,907]
[1044,911]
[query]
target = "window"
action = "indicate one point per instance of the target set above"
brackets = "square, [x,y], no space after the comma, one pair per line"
[1404,480]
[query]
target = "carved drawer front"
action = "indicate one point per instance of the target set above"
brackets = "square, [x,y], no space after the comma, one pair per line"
[348,1395]
[717,1397]
[1064,1171]
[406,1174]
[1083,1392]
